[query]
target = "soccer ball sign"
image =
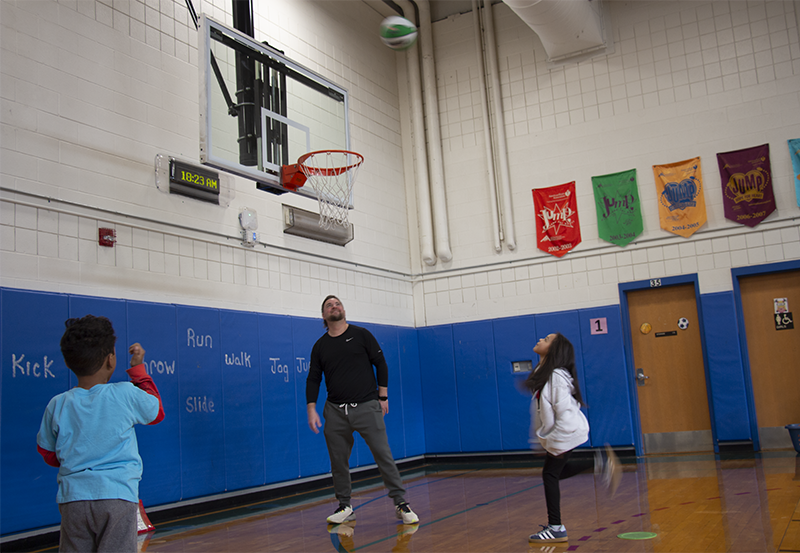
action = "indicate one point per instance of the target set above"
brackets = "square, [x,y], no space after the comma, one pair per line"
[683,323]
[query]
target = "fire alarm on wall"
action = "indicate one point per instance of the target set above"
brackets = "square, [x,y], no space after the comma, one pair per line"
[107,237]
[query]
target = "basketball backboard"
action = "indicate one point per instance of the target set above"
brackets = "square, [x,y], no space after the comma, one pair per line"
[260,110]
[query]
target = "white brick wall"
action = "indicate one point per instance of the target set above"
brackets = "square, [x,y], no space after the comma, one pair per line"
[48,249]
[92,90]
[685,79]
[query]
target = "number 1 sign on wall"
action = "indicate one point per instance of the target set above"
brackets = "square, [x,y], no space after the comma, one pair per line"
[599,326]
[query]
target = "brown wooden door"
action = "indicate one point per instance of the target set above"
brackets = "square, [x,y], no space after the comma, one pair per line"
[673,405]
[774,355]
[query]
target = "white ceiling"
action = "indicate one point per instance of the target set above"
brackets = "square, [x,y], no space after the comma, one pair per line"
[440,9]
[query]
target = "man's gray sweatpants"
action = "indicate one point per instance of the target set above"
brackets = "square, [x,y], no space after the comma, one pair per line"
[366,419]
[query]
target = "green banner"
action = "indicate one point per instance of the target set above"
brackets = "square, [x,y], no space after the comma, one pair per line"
[619,214]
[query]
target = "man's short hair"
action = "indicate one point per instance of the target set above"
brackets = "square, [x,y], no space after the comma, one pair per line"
[326,301]
[322,310]
[86,343]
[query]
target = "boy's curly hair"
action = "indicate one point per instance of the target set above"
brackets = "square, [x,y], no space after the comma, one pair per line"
[86,343]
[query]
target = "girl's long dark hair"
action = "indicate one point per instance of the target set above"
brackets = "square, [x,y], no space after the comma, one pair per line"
[560,355]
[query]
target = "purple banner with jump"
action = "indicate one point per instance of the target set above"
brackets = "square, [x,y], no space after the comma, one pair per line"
[746,185]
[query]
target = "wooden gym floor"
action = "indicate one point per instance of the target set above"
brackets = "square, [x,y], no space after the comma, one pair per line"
[693,502]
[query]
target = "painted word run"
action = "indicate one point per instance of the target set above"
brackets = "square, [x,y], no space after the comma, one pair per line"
[198,341]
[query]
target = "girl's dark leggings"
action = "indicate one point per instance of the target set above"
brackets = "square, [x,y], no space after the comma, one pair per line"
[556,468]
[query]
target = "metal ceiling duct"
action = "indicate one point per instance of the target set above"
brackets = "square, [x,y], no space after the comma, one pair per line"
[567,28]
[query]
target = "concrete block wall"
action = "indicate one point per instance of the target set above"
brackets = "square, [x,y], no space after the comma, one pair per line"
[683,79]
[93,90]
[56,250]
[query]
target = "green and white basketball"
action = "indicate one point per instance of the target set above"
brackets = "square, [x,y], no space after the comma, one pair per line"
[398,33]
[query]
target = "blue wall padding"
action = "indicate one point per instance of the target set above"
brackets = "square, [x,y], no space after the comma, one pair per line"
[201,409]
[313,453]
[514,339]
[566,323]
[233,388]
[725,367]
[279,383]
[33,372]
[476,382]
[242,400]
[387,338]
[411,393]
[154,326]
[439,394]
[607,388]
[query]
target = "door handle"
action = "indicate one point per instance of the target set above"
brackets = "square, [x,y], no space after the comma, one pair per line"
[640,377]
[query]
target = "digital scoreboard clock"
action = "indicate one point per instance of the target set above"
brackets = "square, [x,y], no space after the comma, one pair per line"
[195,182]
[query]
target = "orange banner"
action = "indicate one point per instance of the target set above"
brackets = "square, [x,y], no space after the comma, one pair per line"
[681,203]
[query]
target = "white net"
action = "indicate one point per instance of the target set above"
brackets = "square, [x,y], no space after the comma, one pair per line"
[331,175]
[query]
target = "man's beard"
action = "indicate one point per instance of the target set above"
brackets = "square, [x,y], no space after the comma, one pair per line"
[338,316]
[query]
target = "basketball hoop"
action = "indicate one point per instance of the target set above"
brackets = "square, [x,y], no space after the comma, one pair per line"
[331,174]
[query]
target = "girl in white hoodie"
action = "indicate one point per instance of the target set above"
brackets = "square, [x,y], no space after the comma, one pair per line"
[558,424]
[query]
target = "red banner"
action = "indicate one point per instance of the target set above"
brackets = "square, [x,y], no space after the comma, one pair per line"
[557,227]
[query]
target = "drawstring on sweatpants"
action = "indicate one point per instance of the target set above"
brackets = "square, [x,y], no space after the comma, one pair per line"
[344,405]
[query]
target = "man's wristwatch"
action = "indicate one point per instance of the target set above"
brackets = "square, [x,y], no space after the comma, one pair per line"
[383,398]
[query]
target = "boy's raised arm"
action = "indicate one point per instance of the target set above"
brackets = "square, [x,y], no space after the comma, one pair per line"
[142,380]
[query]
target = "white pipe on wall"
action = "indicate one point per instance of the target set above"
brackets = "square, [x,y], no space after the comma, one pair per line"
[438,198]
[496,231]
[507,213]
[424,215]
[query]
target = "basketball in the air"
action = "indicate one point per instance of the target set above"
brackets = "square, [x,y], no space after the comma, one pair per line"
[398,33]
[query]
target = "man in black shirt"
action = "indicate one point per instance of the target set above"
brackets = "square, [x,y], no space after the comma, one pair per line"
[356,402]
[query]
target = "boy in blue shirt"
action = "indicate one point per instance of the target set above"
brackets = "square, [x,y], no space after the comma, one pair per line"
[88,433]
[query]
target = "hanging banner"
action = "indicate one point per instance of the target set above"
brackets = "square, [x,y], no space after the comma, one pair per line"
[746,185]
[681,203]
[794,152]
[557,226]
[619,214]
